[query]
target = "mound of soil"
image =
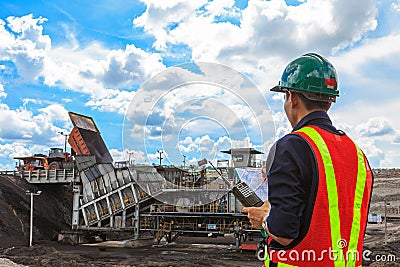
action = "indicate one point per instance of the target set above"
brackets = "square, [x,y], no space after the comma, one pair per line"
[52,211]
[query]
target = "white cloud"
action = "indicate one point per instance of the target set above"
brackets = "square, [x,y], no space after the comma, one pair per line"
[126,155]
[23,126]
[7,40]
[55,112]
[377,138]
[210,148]
[161,15]
[222,8]
[23,133]
[122,68]
[217,103]
[396,6]
[391,155]
[99,73]
[268,28]
[105,75]
[17,149]
[3,94]
[210,36]
[26,46]
[374,154]
[367,83]
[376,127]
[242,143]
[282,124]
[205,147]
[372,53]
[270,33]
[26,101]
[113,101]
[66,100]
[30,29]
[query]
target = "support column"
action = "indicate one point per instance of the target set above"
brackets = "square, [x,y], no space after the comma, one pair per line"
[96,211]
[123,219]
[85,217]
[111,212]
[137,221]
[75,206]
[121,198]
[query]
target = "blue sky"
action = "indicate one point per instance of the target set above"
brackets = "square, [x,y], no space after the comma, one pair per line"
[93,58]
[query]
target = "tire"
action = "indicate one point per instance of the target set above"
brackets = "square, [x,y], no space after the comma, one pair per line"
[55,165]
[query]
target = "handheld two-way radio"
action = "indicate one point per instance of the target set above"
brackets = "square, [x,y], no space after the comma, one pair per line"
[246,195]
[248,198]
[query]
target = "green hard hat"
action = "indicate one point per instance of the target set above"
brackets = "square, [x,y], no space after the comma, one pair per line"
[312,75]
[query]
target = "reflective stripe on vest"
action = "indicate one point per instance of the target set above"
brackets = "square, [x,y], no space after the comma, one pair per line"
[355,227]
[336,239]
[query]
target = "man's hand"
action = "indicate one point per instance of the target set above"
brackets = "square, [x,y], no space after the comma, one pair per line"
[264,173]
[256,215]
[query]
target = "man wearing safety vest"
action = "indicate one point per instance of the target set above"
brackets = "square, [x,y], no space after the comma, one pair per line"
[319,182]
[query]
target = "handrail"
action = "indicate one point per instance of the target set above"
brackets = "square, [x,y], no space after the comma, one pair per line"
[6,172]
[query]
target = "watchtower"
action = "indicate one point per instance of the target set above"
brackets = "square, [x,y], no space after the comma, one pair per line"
[243,157]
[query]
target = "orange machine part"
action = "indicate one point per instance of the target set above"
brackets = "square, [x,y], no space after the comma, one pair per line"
[77,143]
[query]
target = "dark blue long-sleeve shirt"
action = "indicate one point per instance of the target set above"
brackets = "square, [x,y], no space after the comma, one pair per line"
[293,182]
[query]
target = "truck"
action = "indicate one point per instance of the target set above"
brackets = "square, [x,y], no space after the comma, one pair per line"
[56,159]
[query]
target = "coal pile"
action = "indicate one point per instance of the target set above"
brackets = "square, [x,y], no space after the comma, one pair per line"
[52,211]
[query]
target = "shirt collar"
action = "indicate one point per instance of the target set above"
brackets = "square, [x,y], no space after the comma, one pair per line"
[315,117]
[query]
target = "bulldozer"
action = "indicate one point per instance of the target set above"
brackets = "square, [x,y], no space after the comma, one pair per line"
[56,159]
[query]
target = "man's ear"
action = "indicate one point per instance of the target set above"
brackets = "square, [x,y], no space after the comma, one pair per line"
[293,99]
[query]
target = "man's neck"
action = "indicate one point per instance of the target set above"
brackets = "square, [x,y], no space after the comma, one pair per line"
[302,113]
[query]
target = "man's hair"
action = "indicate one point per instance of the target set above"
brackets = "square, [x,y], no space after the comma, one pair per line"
[313,104]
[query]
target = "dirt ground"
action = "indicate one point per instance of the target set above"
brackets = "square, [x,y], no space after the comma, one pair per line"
[178,254]
[377,252]
[53,214]
[185,252]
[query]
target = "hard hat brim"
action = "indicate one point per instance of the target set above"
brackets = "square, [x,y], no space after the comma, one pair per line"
[310,95]
[278,88]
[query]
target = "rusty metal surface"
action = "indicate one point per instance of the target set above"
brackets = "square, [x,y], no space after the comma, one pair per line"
[86,139]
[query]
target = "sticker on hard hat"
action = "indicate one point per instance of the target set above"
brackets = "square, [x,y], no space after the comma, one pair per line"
[330,83]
